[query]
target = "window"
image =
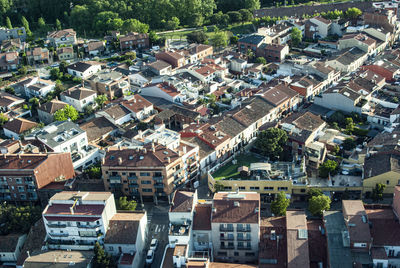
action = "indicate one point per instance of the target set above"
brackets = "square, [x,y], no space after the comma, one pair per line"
[303,190]
[132,174]
[236,253]
[110,248]
[360,245]
[282,188]
[244,188]
[268,188]
[254,188]
[222,253]
[146,182]
[250,254]
[145,190]
[387,182]
[145,174]
[240,244]
[227,188]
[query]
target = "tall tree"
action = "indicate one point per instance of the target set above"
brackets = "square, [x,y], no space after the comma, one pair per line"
[329,167]
[25,23]
[280,204]
[219,39]
[124,204]
[101,259]
[58,24]
[296,36]
[8,23]
[318,204]
[133,25]
[377,192]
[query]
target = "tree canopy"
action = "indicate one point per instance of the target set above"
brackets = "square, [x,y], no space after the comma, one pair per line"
[328,167]
[318,204]
[68,112]
[18,219]
[280,204]
[124,204]
[101,258]
[377,192]
[270,142]
[296,36]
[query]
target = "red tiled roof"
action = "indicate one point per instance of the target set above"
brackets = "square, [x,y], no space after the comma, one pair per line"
[59,218]
[127,259]
[202,217]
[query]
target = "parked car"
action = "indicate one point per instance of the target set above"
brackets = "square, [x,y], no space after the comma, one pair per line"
[154,244]
[150,256]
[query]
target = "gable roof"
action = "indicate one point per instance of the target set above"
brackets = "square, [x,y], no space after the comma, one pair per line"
[19,125]
[97,127]
[82,66]
[182,201]
[123,228]
[52,106]
[253,39]
[78,93]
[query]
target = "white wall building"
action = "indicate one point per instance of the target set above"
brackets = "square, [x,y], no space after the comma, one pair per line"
[79,97]
[84,69]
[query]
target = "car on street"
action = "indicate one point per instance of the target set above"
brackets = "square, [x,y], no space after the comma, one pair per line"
[150,256]
[154,244]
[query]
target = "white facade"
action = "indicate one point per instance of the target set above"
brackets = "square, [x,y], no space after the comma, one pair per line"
[10,134]
[11,257]
[338,102]
[238,65]
[68,228]
[323,28]
[87,73]
[154,91]
[80,105]
[38,88]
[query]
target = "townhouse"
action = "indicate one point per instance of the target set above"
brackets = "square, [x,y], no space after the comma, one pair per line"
[134,41]
[251,42]
[139,107]
[38,87]
[273,52]
[18,126]
[175,59]
[38,55]
[9,61]
[348,61]
[65,53]
[84,69]
[111,83]
[361,41]
[95,48]
[47,110]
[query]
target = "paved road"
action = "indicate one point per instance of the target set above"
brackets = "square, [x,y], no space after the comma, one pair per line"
[157,220]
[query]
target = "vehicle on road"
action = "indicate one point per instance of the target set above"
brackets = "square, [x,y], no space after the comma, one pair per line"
[150,256]
[154,244]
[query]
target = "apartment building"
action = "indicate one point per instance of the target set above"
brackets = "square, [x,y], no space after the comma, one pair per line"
[77,220]
[134,41]
[62,37]
[150,172]
[66,136]
[111,83]
[22,175]
[235,226]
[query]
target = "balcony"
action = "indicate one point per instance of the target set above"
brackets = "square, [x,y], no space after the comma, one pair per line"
[243,248]
[227,247]
[133,185]
[179,230]
[88,226]
[115,179]
[59,234]
[4,190]
[158,178]
[31,190]
[225,229]
[3,183]
[243,229]
[132,178]
[158,185]
[56,225]
[243,238]
[227,238]
[29,183]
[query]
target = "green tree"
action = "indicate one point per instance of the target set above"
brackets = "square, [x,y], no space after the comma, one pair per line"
[3,118]
[349,125]
[328,167]
[41,23]
[296,36]
[17,219]
[10,90]
[198,37]
[246,15]
[233,40]
[68,112]
[101,100]
[63,66]
[133,25]
[318,204]
[124,204]
[353,13]
[349,144]
[173,23]
[270,142]
[25,23]
[55,74]
[153,37]
[130,55]
[377,192]
[314,192]
[280,204]
[23,70]
[261,60]
[58,24]
[219,39]
[234,16]
[8,23]
[101,259]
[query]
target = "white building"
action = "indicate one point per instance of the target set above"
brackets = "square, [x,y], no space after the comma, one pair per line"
[235,224]
[84,69]
[77,220]
[125,237]
[38,87]
[66,136]
[139,107]
[323,26]
[164,91]
[10,248]
[79,97]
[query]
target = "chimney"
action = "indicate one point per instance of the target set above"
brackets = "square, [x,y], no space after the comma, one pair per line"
[19,156]
[169,159]
[153,148]
[103,161]
[71,209]
[184,149]
[119,160]
[145,150]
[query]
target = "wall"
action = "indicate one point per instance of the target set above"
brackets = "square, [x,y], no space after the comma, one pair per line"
[336,101]
[392,177]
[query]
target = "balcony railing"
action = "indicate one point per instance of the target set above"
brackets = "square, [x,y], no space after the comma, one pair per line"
[56,225]
[243,248]
[115,179]
[59,235]
[228,247]
[88,226]
[158,185]
[227,238]
[3,183]
[243,229]
[132,178]
[243,238]
[31,190]
[158,178]
[225,229]
[4,190]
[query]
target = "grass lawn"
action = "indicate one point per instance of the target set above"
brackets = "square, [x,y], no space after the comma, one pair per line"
[230,170]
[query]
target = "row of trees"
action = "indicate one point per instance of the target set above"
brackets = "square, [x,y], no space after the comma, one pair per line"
[98,16]
[18,219]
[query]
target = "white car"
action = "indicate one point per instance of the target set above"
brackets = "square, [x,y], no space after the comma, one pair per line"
[150,256]
[154,244]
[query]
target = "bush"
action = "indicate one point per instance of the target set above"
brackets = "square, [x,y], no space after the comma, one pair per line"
[360,132]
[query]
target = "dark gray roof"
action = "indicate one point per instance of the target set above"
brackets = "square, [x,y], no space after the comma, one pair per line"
[79,66]
[78,93]
[381,163]
[98,127]
[350,55]
[254,39]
